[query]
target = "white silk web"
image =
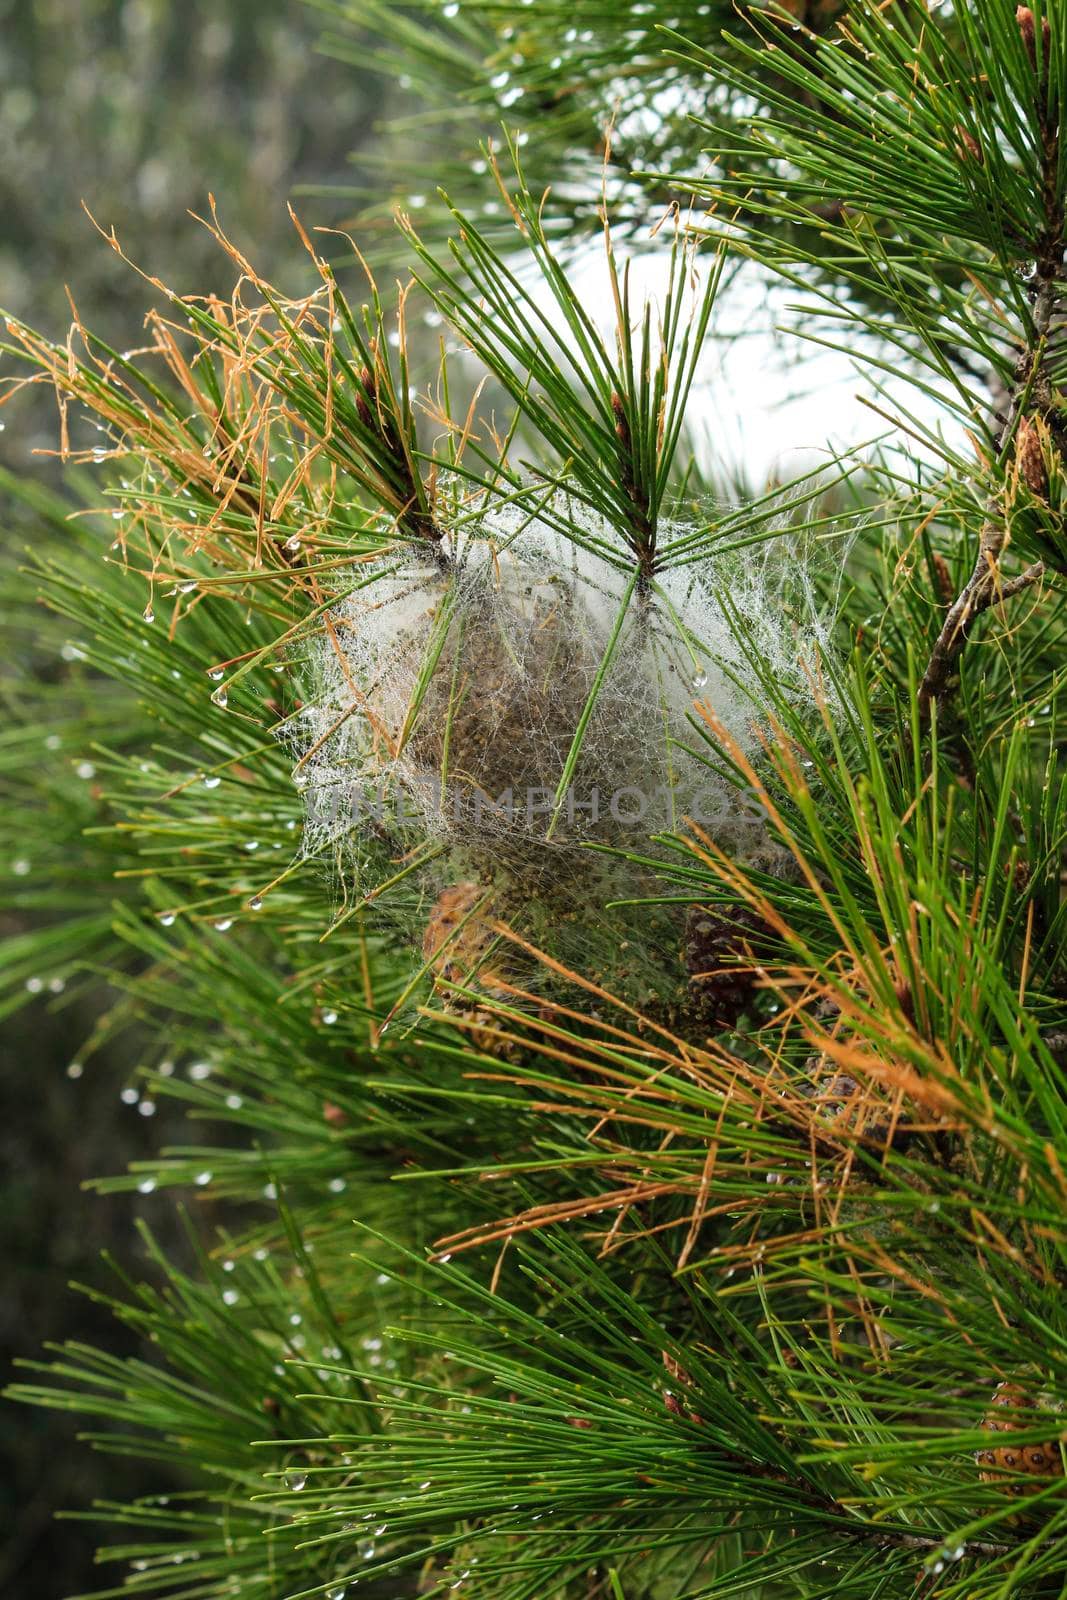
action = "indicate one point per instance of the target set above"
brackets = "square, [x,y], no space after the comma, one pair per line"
[521,694]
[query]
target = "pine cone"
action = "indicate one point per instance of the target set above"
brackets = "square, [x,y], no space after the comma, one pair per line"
[670,1400]
[1007,1415]
[480,1026]
[1027,28]
[1030,458]
[968,148]
[842,1100]
[676,1370]
[714,939]
[456,936]
[455,942]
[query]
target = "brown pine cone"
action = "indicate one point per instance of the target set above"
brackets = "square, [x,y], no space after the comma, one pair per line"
[1030,458]
[676,1370]
[1028,29]
[968,148]
[714,939]
[456,937]
[455,942]
[1007,1415]
[839,1099]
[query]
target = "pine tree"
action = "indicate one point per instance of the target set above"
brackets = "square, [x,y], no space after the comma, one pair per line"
[609,917]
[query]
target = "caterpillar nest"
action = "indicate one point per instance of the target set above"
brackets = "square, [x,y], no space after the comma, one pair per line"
[445,695]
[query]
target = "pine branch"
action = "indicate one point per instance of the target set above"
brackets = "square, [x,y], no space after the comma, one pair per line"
[768,1103]
[985,586]
[984,589]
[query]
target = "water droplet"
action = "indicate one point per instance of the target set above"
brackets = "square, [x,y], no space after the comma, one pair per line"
[202,1179]
[147,1108]
[336,1594]
[293,543]
[166,918]
[256,903]
[700,679]
[75,1069]
[146,1186]
[252,844]
[295,1480]
[223,924]
[221,699]
[86,770]
[234,1102]
[230,1297]
[329,1018]
[337,1185]
[212,780]
[148,613]
[200,1070]
[20,868]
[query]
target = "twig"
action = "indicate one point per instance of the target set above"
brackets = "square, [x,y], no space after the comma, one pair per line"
[984,587]
[982,590]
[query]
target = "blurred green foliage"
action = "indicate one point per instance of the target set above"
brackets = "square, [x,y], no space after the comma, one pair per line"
[139,109]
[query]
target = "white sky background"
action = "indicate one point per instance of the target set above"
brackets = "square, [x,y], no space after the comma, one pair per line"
[762,400]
